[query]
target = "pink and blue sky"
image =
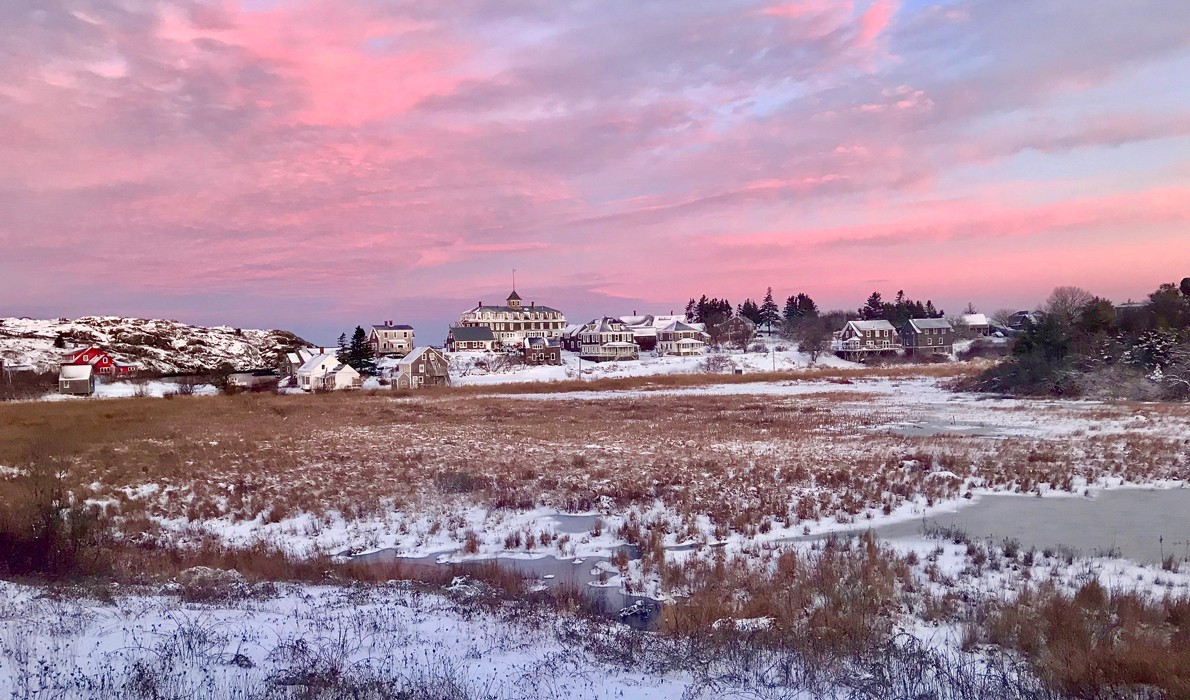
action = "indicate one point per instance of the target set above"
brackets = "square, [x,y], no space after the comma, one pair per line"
[314,165]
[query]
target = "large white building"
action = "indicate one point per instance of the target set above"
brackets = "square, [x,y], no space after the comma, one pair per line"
[513,322]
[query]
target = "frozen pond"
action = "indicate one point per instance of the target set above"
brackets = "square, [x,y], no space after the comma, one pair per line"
[596,576]
[1137,524]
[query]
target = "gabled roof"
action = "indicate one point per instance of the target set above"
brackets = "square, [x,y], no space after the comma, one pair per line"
[920,324]
[315,363]
[975,319]
[397,327]
[879,325]
[416,355]
[471,334]
[607,324]
[680,326]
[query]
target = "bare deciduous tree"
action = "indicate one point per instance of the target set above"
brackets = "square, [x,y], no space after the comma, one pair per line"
[1066,302]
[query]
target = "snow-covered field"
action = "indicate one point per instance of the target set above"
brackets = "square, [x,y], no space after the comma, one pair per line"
[687,475]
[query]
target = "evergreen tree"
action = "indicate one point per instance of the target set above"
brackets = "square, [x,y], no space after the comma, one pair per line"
[769,313]
[60,341]
[750,311]
[873,309]
[359,353]
[342,353]
[1184,286]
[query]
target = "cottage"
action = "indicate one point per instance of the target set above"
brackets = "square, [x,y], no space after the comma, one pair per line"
[423,367]
[608,339]
[460,338]
[513,322]
[927,336]
[77,380]
[541,351]
[324,372]
[977,324]
[860,339]
[391,340]
[681,338]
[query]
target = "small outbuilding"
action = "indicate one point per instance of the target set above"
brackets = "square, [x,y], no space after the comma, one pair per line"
[76,380]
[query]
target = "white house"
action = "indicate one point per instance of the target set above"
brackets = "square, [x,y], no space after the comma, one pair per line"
[324,372]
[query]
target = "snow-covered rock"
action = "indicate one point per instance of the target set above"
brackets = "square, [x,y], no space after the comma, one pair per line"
[156,345]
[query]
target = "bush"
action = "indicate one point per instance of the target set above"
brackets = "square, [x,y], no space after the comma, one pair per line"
[41,532]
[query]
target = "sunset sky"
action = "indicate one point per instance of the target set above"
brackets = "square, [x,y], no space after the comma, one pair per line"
[314,165]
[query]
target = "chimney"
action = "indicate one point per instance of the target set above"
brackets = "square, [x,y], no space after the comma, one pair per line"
[479,304]
[634,312]
[532,304]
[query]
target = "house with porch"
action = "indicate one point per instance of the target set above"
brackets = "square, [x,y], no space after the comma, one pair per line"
[608,339]
[860,340]
[681,338]
[391,340]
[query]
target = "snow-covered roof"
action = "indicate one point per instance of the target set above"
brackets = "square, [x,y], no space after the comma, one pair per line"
[879,325]
[414,356]
[975,319]
[318,363]
[690,341]
[678,326]
[920,324]
[75,371]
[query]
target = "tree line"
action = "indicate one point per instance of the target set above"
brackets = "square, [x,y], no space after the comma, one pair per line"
[1079,343]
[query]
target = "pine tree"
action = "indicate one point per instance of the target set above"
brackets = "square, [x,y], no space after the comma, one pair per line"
[769,313]
[359,354]
[873,309]
[342,353]
[60,341]
[750,311]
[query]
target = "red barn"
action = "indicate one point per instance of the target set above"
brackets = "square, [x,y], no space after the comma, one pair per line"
[100,360]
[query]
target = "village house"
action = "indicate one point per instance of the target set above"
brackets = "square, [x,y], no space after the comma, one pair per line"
[512,323]
[391,340]
[927,336]
[76,380]
[324,372]
[425,366]
[293,360]
[977,324]
[861,339]
[646,329]
[541,351]
[681,338]
[104,364]
[464,338]
[572,337]
[608,339]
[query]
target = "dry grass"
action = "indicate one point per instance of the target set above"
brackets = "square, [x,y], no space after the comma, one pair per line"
[744,464]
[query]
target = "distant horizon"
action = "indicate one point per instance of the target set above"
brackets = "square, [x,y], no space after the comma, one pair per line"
[314,166]
[328,335]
